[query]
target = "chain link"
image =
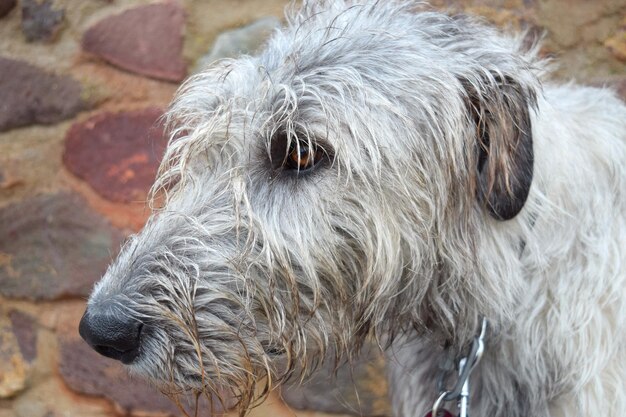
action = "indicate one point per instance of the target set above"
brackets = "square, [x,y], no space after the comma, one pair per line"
[460,389]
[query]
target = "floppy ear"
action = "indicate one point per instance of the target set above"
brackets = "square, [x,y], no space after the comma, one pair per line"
[499,109]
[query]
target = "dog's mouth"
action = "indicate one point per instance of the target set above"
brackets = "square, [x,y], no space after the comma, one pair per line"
[126,357]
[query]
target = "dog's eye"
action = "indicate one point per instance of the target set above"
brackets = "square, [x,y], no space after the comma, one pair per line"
[302,156]
[297,154]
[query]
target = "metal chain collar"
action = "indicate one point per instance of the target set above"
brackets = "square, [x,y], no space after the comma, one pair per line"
[460,390]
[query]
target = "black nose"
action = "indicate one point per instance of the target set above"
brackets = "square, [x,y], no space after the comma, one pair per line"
[111,334]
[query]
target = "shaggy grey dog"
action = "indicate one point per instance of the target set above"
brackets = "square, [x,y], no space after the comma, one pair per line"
[381,171]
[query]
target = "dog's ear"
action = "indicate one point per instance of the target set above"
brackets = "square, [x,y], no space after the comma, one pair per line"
[499,110]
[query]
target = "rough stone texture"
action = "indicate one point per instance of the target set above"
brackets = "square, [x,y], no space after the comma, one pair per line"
[23,326]
[510,14]
[7,180]
[86,372]
[33,96]
[52,246]
[576,35]
[207,19]
[565,26]
[359,388]
[51,398]
[6,6]
[617,43]
[246,40]
[13,369]
[146,40]
[117,153]
[41,21]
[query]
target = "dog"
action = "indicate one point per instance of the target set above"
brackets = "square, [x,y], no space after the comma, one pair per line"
[385,172]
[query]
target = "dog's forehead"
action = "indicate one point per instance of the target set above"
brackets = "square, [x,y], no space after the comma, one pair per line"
[330,54]
[337,55]
[336,36]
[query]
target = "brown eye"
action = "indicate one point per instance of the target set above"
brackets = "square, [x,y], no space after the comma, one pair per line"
[301,156]
[291,155]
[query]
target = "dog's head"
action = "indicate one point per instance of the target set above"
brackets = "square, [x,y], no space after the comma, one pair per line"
[330,189]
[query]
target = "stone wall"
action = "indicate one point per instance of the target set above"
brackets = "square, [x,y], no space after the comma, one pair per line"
[82,86]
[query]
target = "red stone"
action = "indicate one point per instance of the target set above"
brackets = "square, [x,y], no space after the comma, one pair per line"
[86,372]
[118,154]
[53,246]
[25,332]
[40,20]
[31,95]
[6,6]
[147,40]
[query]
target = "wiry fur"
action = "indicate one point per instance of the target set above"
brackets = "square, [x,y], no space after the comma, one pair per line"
[248,272]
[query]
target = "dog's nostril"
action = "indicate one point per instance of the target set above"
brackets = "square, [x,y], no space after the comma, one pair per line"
[113,335]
